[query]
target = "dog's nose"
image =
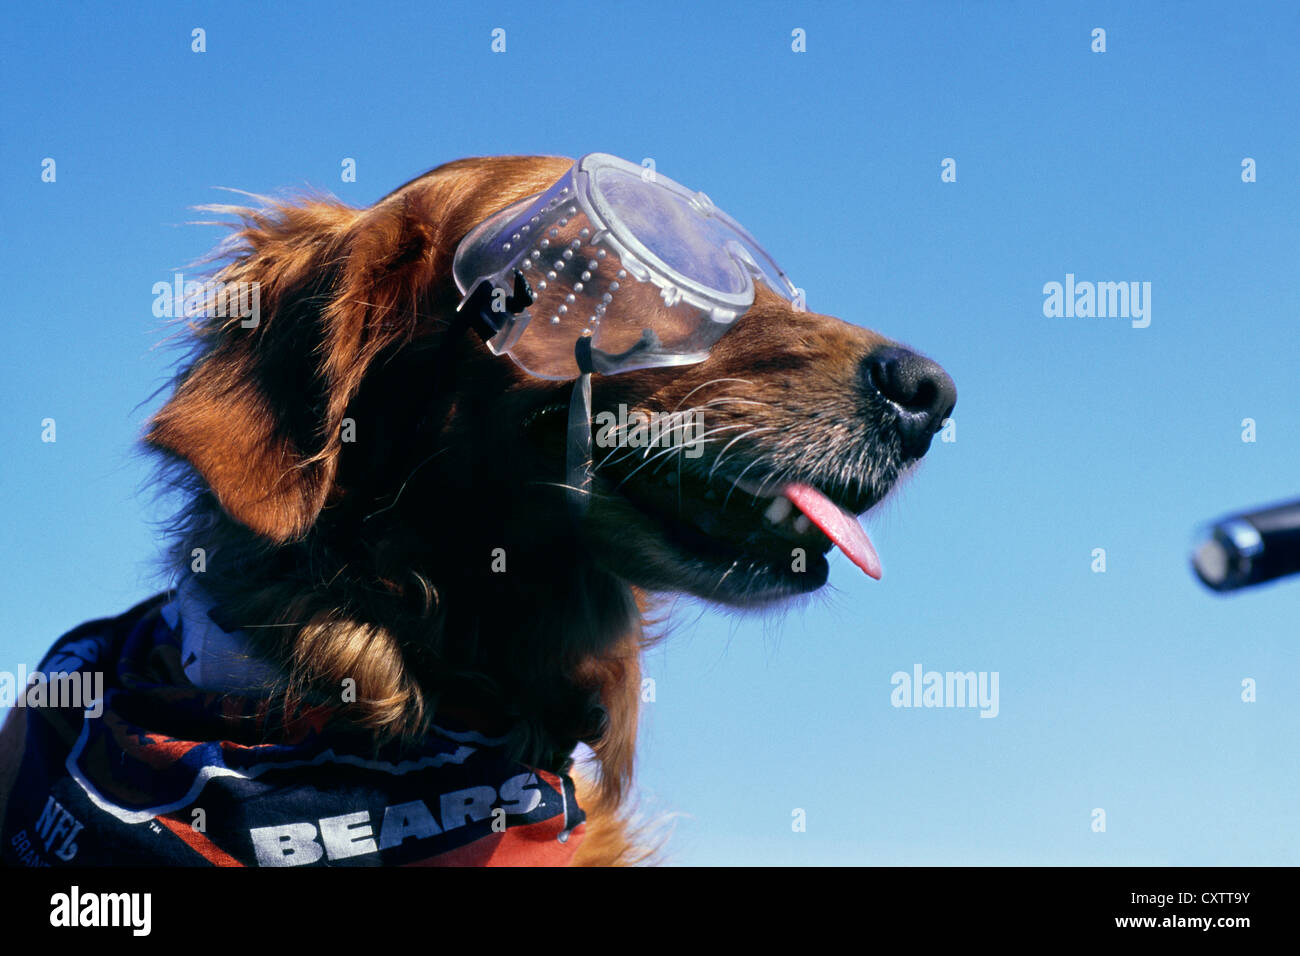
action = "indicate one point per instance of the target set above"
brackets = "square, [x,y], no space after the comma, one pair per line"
[922,393]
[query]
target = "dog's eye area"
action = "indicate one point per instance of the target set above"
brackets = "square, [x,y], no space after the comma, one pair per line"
[540,414]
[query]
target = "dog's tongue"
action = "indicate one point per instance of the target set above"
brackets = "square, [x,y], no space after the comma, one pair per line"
[838,525]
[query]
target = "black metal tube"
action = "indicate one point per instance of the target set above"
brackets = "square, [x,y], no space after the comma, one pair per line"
[1250,548]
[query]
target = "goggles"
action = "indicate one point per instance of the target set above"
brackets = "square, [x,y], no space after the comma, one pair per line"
[613,268]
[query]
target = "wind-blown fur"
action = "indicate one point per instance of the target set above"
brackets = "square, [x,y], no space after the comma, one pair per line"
[379,501]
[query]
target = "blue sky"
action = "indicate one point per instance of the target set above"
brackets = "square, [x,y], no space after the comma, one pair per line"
[1119,690]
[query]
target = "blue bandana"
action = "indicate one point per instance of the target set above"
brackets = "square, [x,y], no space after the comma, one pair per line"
[159,771]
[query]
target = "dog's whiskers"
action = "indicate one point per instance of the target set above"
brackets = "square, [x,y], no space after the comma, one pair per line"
[629,450]
[671,449]
[712,381]
[753,431]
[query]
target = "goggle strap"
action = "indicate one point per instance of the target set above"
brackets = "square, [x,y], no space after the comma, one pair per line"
[480,302]
[578,459]
[578,463]
[591,359]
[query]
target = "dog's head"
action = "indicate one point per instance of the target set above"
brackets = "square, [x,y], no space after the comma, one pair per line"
[367,449]
[358,394]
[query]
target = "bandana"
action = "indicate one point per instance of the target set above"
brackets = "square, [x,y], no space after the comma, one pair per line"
[158,771]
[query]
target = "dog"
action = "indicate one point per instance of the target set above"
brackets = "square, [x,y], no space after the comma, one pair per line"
[390,632]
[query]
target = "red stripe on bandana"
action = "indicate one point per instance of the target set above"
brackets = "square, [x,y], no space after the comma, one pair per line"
[199,843]
[534,844]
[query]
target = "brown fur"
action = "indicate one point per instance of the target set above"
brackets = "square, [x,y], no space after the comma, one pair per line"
[370,560]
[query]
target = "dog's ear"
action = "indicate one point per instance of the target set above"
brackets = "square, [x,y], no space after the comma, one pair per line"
[324,289]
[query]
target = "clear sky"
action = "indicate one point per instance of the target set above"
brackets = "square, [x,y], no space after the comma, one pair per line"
[1118,690]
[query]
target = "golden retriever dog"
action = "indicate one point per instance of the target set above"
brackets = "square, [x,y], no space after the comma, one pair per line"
[389,632]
